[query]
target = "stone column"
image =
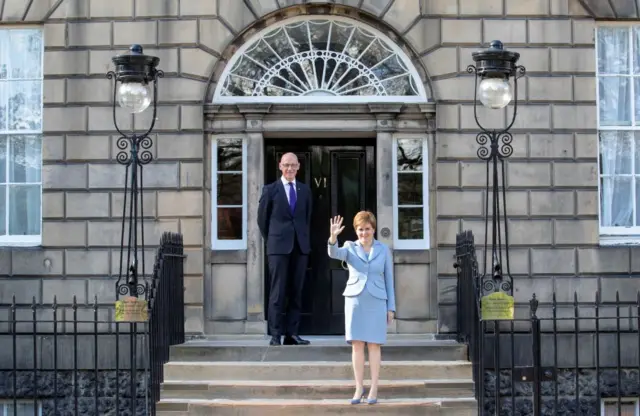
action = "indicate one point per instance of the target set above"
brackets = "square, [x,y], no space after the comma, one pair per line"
[254,115]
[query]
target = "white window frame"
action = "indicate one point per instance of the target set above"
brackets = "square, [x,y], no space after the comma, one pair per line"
[425,242]
[8,404]
[614,402]
[25,240]
[217,244]
[421,97]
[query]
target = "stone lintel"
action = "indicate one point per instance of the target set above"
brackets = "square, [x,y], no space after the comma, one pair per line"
[386,109]
[253,110]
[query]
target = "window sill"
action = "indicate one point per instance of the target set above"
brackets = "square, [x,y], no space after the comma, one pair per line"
[619,240]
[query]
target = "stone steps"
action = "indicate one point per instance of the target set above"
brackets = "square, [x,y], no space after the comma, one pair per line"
[312,389]
[280,407]
[311,370]
[329,350]
[247,377]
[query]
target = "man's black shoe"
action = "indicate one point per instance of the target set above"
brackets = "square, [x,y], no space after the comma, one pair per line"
[275,341]
[295,340]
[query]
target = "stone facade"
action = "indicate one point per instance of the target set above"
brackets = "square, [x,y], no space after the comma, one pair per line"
[552,176]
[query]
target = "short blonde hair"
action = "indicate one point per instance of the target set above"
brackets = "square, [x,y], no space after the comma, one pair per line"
[364,217]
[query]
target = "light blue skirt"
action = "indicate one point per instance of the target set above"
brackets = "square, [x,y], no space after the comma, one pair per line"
[365,318]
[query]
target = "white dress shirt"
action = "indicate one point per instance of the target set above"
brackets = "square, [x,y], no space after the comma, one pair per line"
[287,187]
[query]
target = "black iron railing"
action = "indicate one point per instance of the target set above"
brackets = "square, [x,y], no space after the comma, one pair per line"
[559,356]
[75,359]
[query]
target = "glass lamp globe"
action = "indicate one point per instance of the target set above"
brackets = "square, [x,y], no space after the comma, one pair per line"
[134,97]
[495,93]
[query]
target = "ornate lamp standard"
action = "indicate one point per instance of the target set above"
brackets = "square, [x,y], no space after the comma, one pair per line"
[494,66]
[134,73]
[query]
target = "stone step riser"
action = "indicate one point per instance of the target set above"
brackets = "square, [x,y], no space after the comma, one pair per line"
[346,410]
[389,371]
[234,392]
[311,353]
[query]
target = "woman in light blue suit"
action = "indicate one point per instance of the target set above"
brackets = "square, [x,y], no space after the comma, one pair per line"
[369,296]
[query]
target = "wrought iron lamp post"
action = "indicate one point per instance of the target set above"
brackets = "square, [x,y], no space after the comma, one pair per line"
[135,88]
[494,67]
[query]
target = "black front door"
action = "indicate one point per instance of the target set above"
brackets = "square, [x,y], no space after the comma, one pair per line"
[342,180]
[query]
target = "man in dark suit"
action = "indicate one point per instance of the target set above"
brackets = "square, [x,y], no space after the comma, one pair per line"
[284,215]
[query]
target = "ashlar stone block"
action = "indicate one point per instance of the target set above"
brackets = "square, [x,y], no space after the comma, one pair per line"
[64,234]
[145,33]
[577,174]
[108,233]
[191,175]
[72,9]
[87,262]
[530,232]
[550,203]
[180,204]
[441,61]
[424,34]
[111,8]
[587,203]
[487,7]
[36,262]
[236,14]
[551,146]
[89,34]
[527,7]
[65,119]
[554,261]
[52,205]
[39,9]
[528,174]
[402,14]
[64,176]
[82,148]
[508,31]
[197,62]
[198,7]
[604,260]
[98,90]
[549,31]
[214,34]
[177,31]
[24,291]
[412,292]
[462,31]
[87,204]
[576,231]
[453,203]
[155,8]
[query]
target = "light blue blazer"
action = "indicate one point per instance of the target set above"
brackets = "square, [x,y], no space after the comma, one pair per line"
[373,271]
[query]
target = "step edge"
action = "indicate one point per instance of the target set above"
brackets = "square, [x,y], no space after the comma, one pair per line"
[421,363]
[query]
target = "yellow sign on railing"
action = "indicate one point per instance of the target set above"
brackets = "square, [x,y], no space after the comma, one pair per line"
[497,306]
[131,309]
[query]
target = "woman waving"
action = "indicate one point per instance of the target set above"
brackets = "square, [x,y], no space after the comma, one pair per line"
[369,296]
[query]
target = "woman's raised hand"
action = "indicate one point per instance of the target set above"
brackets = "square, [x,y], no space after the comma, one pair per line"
[336,226]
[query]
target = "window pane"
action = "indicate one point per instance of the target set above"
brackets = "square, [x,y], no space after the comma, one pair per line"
[626,409]
[229,189]
[21,409]
[616,202]
[25,105]
[613,50]
[410,188]
[25,159]
[615,101]
[615,152]
[409,155]
[230,223]
[3,158]
[26,53]
[3,209]
[410,224]
[229,154]
[24,209]
[4,90]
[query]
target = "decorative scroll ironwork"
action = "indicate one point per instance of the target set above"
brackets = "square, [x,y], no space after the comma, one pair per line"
[135,152]
[495,147]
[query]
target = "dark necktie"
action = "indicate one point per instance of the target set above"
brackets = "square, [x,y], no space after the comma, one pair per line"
[292,197]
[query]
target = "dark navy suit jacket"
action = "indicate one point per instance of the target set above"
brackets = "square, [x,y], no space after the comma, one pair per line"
[278,225]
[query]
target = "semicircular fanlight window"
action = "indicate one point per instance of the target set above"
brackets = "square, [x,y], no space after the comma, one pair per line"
[322,58]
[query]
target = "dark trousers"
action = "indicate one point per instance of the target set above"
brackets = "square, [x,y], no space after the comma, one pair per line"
[287,273]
